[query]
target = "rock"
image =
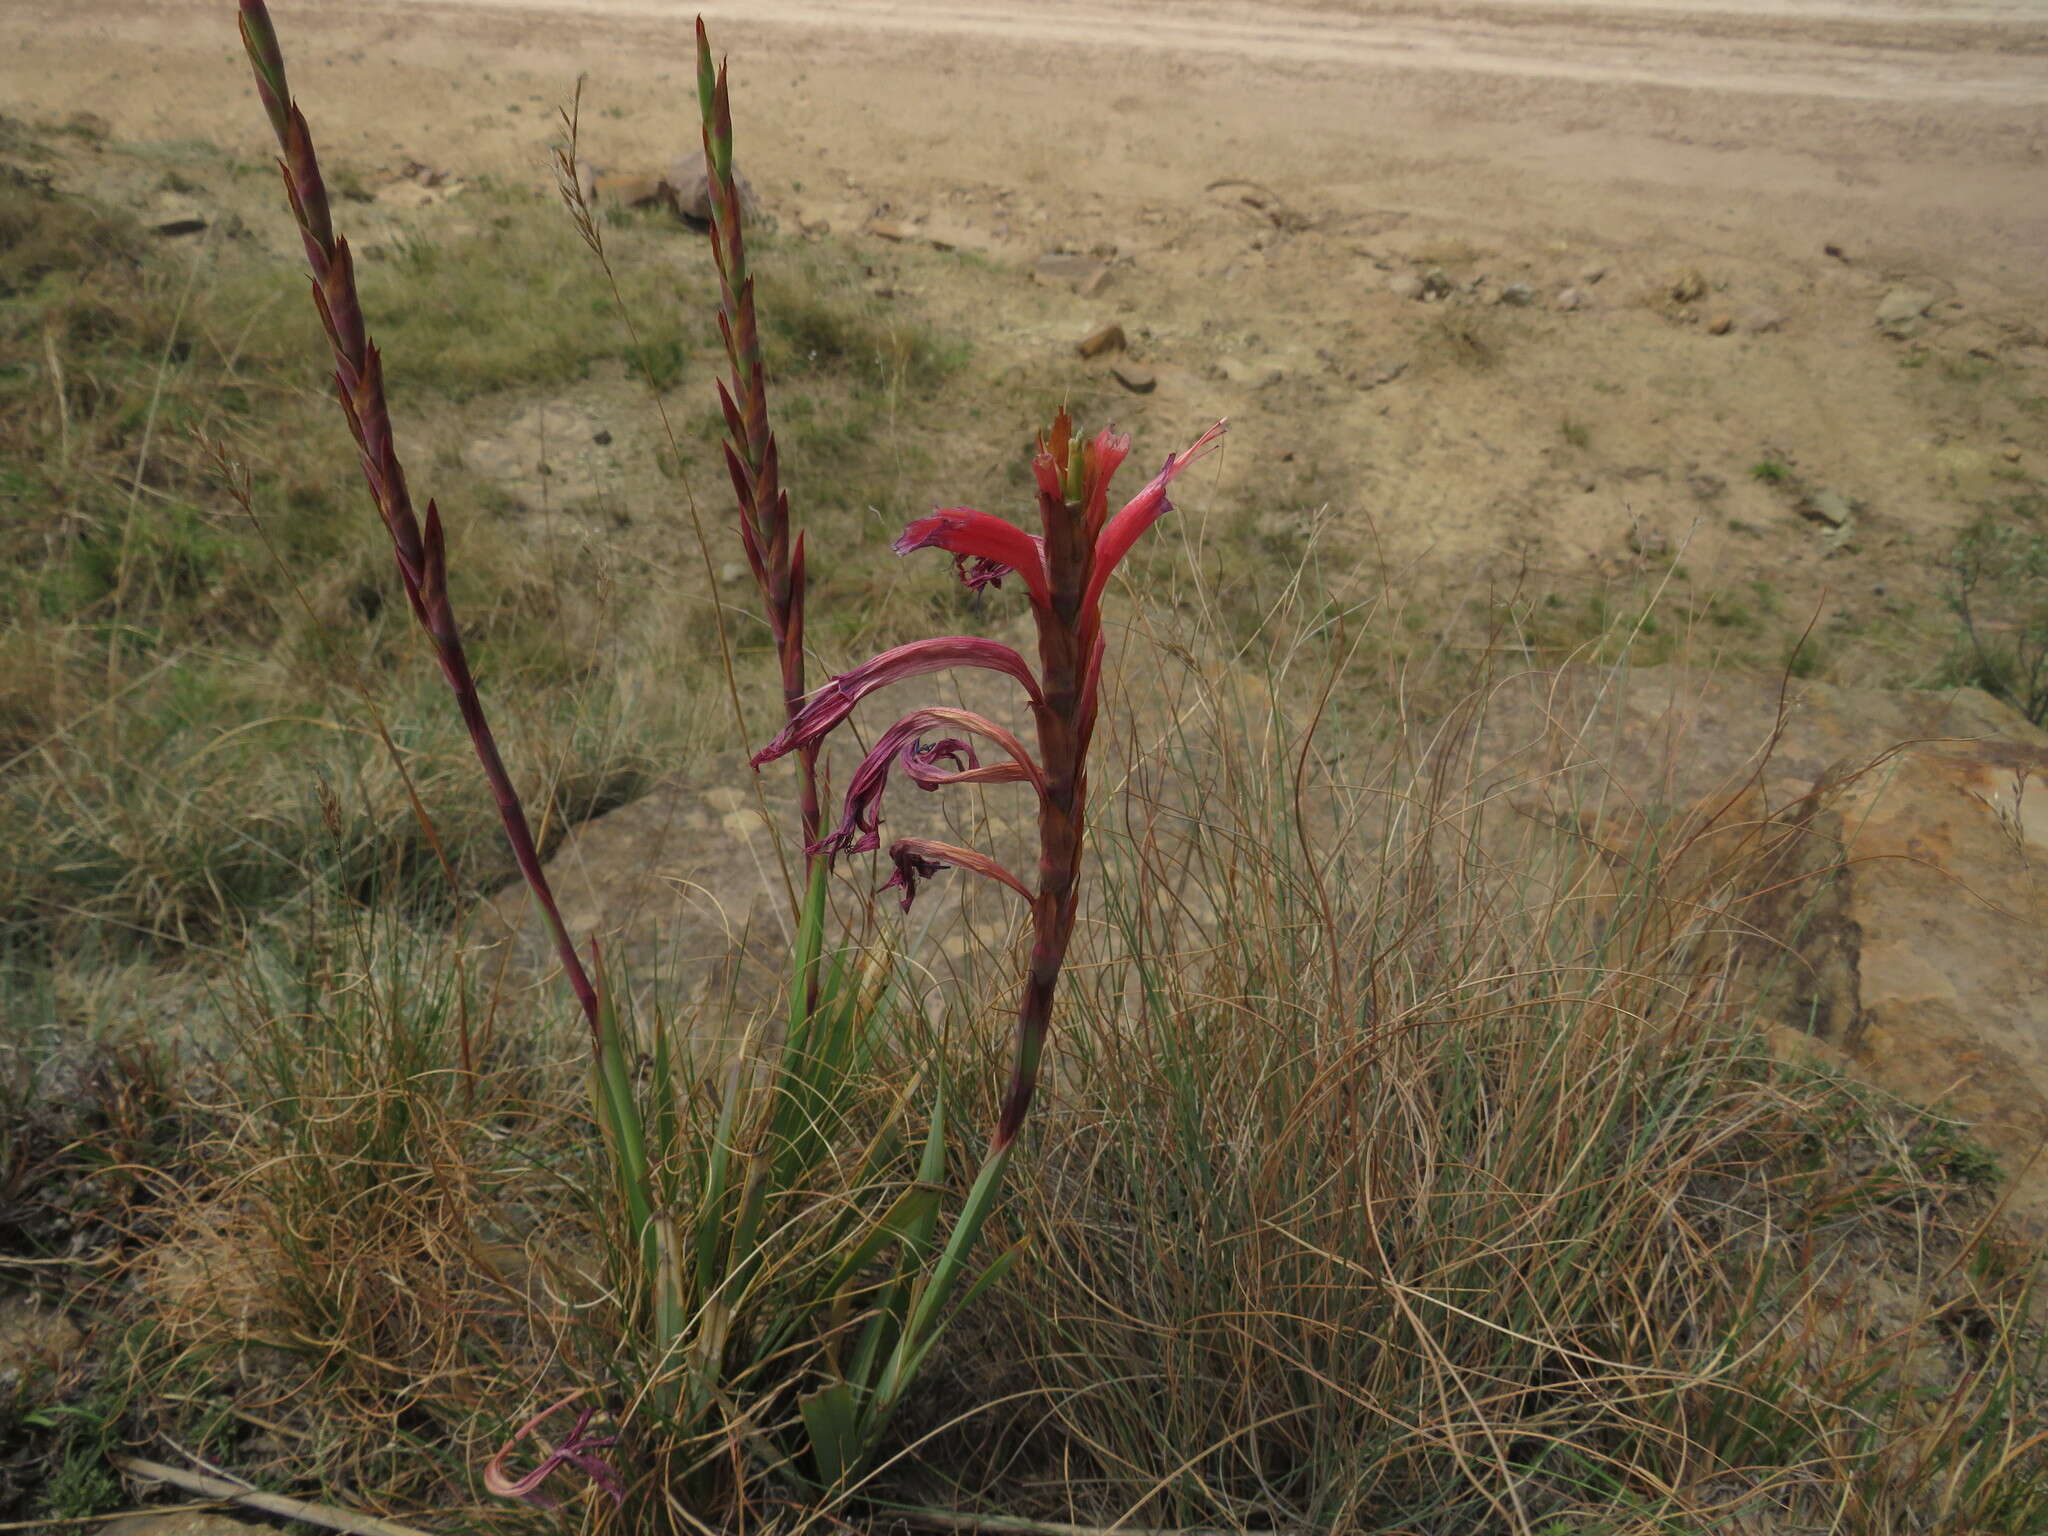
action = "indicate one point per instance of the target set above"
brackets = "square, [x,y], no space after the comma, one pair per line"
[1520,295]
[1758,321]
[2010,453]
[1405,285]
[1139,381]
[1898,933]
[1901,312]
[1383,372]
[1569,299]
[1436,284]
[1689,287]
[690,192]
[1108,338]
[733,572]
[889,229]
[1947,1002]
[1093,283]
[1830,507]
[1593,274]
[1720,325]
[1079,272]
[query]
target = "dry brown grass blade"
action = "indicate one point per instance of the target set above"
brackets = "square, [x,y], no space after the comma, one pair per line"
[326,1516]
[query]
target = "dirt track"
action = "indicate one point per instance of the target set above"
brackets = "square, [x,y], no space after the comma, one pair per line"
[1916,129]
[1798,160]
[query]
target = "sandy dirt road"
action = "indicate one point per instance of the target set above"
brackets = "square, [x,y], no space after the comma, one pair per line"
[1797,160]
[1919,128]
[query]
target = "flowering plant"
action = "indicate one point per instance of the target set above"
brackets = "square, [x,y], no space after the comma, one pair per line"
[1064,570]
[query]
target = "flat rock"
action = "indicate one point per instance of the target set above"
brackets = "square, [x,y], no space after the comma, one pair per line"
[1405,285]
[1761,320]
[631,191]
[1139,381]
[1079,272]
[1902,937]
[1569,299]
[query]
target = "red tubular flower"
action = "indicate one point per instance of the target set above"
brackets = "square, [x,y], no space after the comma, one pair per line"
[860,824]
[1066,568]
[996,546]
[831,704]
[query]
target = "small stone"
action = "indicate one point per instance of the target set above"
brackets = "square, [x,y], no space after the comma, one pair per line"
[890,230]
[1830,507]
[1757,322]
[1093,283]
[1520,295]
[1720,325]
[1108,338]
[1900,312]
[2011,452]
[602,438]
[1837,250]
[732,572]
[1139,381]
[1569,299]
[1383,372]
[1436,284]
[1591,275]
[1689,287]
[1405,285]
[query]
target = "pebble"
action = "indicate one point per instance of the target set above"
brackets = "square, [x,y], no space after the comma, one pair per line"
[1569,299]
[1591,275]
[1405,285]
[1899,312]
[1762,319]
[1830,507]
[1520,295]
[1688,287]
[1139,381]
[1720,325]
[1108,338]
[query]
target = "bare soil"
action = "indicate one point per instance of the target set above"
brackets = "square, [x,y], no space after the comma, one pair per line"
[1728,191]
